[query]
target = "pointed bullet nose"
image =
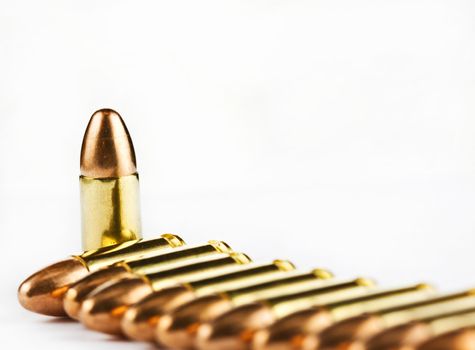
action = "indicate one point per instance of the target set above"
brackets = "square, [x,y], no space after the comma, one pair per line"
[103,310]
[235,328]
[43,291]
[141,319]
[107,149]
[80,290]
[178,328]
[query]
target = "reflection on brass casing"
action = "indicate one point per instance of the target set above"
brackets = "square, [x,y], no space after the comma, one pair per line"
[245,276]
[110,209]
[452,321]
[198,269]
[334,292]
[293,281]
[134,249]
[175,258]
[140,321]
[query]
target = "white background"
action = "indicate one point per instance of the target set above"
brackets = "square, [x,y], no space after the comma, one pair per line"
[338,134]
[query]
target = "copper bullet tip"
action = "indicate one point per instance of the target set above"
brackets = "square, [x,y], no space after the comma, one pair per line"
[178,329]
[80,290]
[357,329]
[103,310]
[405,335]
[107,149]
[234,329]
[296,329]
[43,291]
[141,319]
[462,339]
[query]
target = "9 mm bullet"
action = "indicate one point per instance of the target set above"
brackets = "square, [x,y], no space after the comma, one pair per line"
[360,330]
[131,268]
[236,328]
[103,310]
[110,215]
[140,320]
[455,332]
[292,330]
[109,182]
[43,291]
[179,326]
[413,334]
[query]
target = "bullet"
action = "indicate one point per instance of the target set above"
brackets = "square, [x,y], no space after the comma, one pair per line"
[294,329]
[460,339]
[140,320]
[43,291]
[412,335]
[235,329]
[179,326]
[109,183]
[132,268]
[103,310]
[358,330]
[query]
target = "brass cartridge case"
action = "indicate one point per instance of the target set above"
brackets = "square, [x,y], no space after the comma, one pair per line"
[180,325]
[110,210]
[130,250]
[43,291]
[140,320]
[131,268]
[236,328]
[104,309]
[301,329]
[360,329]
[109,183]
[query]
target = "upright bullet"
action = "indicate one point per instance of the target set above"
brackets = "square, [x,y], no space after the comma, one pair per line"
[109,183]
[43,291]
[141,319]
[104,309]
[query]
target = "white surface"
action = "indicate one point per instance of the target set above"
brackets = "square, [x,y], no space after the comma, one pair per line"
[337,134]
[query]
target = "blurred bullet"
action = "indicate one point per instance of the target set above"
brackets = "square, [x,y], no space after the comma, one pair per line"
[300,329]
[413,334]
[461,339]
